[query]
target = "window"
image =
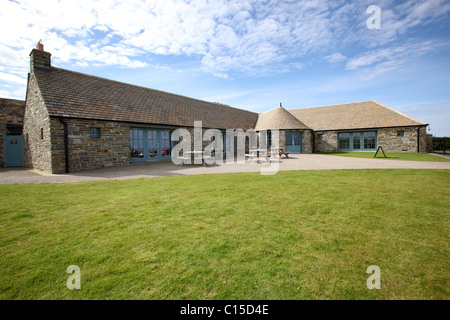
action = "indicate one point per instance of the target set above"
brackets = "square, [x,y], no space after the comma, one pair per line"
[42,133]
[357,140]
[320,137]
[344,141]
[370,140]
[137,143]
[152,143]
[13,129]
[400,133]
[165,143]
[95,133]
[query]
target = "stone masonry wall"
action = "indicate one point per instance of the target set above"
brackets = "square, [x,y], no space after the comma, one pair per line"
[388,139]
[329,141]
[13,109]
[86,153]
[37,147]
[307,141]
[429,143]
[2,132]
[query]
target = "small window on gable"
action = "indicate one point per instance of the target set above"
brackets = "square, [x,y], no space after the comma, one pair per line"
[320,137]
[400,133]
[95,133]
[42,133]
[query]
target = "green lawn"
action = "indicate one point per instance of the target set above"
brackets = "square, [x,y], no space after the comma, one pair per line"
[294,235]
[391,156]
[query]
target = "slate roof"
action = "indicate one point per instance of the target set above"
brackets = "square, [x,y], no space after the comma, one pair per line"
[76,95]
[278,118]
[357,115]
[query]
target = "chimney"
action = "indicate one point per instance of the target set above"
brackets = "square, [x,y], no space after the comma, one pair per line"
[39,57]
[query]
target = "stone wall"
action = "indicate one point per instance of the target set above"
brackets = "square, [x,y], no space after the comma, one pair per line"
[307,141]
[86,153]
[386,137]
[2,132]
[13,109]
[36,129]
[391,142]
[329,142]
[423,139]
[429,143]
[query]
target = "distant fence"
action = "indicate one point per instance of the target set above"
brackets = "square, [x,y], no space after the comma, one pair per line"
[441,144]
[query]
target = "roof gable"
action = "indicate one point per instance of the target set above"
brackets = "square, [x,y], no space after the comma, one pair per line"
[71,94]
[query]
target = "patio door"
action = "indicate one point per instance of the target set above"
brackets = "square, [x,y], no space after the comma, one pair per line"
[357,141]
[294,141]
[153,145]
[149,145]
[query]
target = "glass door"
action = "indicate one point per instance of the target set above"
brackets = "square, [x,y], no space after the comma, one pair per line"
[153,145]
[149,145]
[357,141]
[294,141]
[137,145]
[165,145]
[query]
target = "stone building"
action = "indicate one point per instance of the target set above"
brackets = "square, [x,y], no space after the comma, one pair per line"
[11,126]
[363,126]
[77,122]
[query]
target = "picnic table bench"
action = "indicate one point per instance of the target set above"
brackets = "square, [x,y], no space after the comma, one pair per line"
[196,155]
[261,153]
[281,152]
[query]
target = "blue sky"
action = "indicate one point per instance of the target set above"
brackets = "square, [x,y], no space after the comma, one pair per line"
[248,54]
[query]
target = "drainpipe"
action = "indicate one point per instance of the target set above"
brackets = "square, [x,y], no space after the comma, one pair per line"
[418,140]
[66,144]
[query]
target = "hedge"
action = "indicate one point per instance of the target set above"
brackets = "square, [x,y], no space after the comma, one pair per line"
[441,144]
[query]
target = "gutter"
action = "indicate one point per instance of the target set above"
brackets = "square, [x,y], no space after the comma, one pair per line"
[66,144]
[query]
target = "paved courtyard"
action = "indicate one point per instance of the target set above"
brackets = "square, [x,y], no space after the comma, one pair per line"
[167,168]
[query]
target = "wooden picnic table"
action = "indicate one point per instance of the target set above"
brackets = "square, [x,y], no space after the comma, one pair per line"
[194,155]
[258,154]
[254,153]
[281,152]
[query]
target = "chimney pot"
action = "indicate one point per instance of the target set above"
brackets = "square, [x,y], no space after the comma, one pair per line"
[40,46]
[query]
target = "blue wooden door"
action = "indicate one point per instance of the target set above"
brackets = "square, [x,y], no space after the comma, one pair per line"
[149,145]
[294,141]
[13,151]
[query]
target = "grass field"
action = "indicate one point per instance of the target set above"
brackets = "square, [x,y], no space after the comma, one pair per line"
[294,235]
[391,156]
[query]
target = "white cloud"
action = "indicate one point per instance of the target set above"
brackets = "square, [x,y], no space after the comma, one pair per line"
[12,78]
[336,57]
[230,37]
[376,62]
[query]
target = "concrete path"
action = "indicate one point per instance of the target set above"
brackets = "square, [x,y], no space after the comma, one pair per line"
[446,155]
[167,168]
